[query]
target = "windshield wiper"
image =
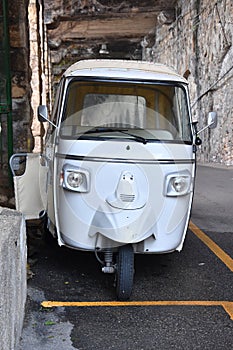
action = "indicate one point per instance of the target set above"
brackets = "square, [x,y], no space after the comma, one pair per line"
[136,137]
[103,129]
[122,130]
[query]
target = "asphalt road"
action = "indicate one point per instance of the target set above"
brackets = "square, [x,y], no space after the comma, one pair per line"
[188,291]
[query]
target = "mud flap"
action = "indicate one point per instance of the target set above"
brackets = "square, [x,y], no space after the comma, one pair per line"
[30,186]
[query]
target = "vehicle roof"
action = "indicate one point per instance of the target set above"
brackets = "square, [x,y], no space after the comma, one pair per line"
[125,69]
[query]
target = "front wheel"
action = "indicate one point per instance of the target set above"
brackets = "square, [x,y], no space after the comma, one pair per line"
[125,272]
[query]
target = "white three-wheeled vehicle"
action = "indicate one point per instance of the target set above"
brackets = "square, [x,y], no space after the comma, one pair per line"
[117,173]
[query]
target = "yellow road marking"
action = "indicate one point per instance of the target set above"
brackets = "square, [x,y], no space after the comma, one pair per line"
[227,305]
[224,257]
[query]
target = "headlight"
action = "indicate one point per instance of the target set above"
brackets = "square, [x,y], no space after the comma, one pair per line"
[178,184]
[75,179]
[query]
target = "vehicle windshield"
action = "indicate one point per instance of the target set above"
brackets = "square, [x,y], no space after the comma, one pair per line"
[155,112]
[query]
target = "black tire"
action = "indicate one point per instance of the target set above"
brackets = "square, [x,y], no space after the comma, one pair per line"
[125,272]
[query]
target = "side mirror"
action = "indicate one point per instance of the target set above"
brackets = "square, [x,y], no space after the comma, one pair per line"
[211,123]
[42,114]
[212,120]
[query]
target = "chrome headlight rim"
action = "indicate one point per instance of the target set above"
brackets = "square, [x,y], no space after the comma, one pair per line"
[178,184]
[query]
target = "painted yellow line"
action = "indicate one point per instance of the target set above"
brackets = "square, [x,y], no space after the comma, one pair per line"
[224,257]
[227,305]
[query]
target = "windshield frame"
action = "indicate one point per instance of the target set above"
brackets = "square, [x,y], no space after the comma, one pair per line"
[153,83]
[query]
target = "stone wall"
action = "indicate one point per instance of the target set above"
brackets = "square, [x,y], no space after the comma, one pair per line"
[39,64]
[199,45]
[20,74]
[77,29]
[21,95]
